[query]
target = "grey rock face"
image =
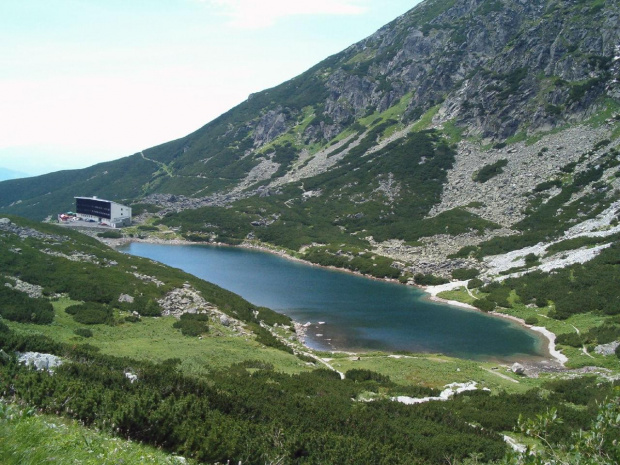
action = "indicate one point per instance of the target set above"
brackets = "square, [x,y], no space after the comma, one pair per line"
[270,126]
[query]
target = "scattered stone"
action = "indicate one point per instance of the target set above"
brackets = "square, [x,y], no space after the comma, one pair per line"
[24,233]
[518,369]
[32,290]
[151,279]
[131,377]
[184,300]
[39,361]
[126,298]
[607,349]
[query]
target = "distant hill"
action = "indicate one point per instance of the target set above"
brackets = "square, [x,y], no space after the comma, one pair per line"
[6,173]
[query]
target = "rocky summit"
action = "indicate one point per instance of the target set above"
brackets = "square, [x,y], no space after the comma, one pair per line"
[461,125]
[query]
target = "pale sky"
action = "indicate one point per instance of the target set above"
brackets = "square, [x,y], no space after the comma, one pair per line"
[86,81]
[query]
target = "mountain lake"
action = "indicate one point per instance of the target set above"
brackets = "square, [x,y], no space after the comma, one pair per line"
[350,312]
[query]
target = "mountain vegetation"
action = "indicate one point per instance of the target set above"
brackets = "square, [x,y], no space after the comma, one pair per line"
[249,410]
[475,141]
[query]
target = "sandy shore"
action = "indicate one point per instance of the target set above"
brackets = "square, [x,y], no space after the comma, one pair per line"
[558,356]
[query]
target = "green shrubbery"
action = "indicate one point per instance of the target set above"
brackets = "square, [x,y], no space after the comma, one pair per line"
[547,219]
[603,334]
[531,320]
[531,259]
[354,260]
[546,185]
[111,235]
[91,313]
[463,274]
[315,416]
[498,294]
[83,332]
[579,288]
[360,376]
[192,324]
[266,338]
[464,252]
[428,279]
[570,339]
[144,306]
[17,306]
[490,171]
[485,305]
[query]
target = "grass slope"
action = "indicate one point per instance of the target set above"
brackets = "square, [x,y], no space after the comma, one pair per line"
[28,438]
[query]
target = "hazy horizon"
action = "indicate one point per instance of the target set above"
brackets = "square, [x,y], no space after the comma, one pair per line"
[74,94]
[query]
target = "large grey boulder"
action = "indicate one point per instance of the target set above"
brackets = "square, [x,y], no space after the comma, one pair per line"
[518,369]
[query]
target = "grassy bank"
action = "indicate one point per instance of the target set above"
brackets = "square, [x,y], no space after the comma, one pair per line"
[27,438]
[155,340]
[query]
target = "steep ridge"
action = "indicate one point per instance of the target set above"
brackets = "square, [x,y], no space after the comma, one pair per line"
[462,128]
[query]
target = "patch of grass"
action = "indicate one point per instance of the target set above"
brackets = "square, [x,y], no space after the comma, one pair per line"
[192,324]
[459,295]
[156,340]
[29,439]
[426,119]
[518,137]
[452,132]
[435,371]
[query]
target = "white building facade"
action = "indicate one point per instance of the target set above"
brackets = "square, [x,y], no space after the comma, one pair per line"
[103,211]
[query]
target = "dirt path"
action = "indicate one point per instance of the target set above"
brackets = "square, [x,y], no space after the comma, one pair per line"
[160,164]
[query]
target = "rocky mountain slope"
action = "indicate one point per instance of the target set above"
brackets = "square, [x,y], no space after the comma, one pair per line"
[460,123]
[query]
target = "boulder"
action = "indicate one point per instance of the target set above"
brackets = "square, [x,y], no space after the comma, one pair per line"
[518,369]
[125,298]
[607,349]
[224,320]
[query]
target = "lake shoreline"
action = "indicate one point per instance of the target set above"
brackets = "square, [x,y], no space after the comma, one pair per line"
[551,354]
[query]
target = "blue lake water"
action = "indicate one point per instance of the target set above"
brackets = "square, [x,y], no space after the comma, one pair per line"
[359,314]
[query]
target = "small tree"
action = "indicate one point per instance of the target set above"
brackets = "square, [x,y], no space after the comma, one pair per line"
[597,446]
